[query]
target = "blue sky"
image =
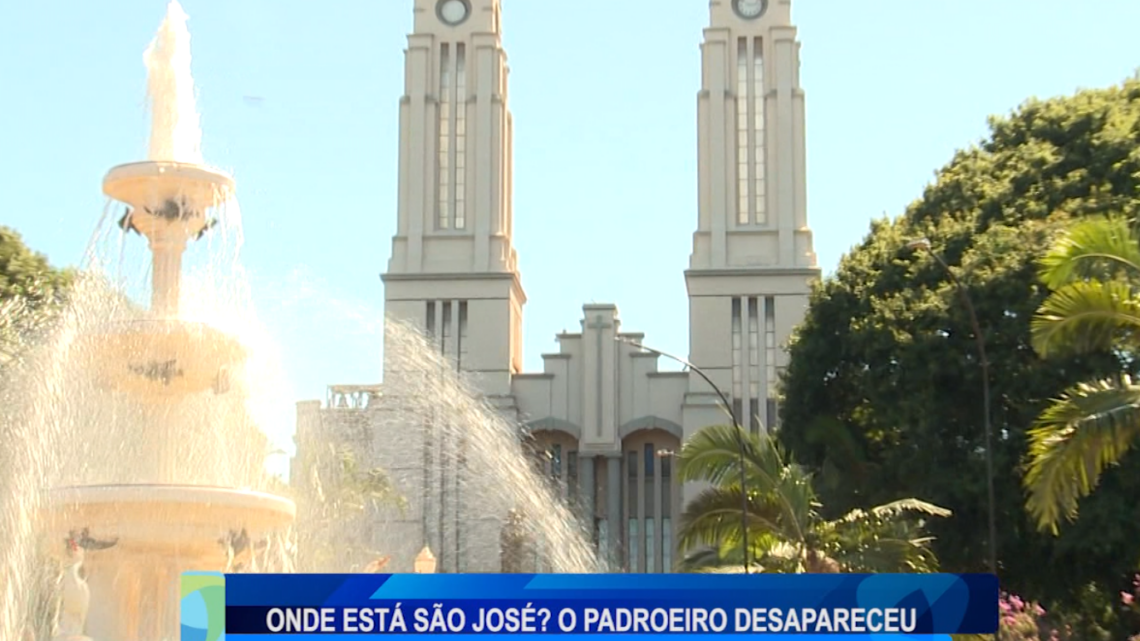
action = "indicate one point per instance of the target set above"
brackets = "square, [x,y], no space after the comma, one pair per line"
[604,99]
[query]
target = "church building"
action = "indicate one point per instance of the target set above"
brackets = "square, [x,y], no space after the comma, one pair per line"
[600,412]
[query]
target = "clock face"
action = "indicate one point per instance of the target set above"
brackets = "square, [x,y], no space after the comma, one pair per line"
[750,9]
[453,11]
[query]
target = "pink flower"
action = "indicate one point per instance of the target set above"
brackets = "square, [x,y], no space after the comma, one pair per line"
[1038,610]
[1126,598]
[1003,605]
[1016,602]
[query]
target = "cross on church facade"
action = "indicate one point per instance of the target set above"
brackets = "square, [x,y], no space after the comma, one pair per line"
[601,325]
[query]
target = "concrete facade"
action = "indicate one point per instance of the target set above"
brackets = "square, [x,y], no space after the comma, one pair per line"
[601,418]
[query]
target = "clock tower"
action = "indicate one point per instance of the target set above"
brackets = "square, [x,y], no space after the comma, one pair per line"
[454,270]
[752,263]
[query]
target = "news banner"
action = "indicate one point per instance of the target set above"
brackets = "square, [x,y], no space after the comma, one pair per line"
[250,607]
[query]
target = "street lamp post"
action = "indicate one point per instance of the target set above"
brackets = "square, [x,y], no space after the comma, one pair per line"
[737,430]
[923,244]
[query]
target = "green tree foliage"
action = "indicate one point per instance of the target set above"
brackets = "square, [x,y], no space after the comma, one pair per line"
[1094,272]
[785,530]
[883,388]
[26,274]
[335,531]
[30,291]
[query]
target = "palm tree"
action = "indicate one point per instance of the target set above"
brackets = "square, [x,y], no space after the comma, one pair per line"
[1093,271]
[786,531]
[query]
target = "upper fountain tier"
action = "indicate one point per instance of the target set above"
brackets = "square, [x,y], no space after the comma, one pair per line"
[168,200]
[170,203]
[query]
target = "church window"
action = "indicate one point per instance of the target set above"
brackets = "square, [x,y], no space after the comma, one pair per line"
[430,318]
[742,174]
[753,364]
[758,130]
[444,164]
[460,136]
[460,468]
[770,357]
[650,553]
[462,335]
[445,333]
[751,205]
[737,365]
[572,473]
[631,502]
[737,360]
[649,497]
[633,547]
[556,461]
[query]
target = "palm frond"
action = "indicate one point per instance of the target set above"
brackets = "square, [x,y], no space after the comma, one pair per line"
[1088,429]
[1097,248]
[713,517]
[714,455]
[888,555]
[897,508]
[1086,316]
[729,558]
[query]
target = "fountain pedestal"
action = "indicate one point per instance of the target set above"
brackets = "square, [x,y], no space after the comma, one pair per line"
[162,531]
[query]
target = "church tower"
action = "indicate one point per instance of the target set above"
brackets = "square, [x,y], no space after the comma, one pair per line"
[453,270]
[752,264]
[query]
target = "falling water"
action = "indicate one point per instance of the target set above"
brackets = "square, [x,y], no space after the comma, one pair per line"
[485,471]
[64,421]
[175,133]
[63,424]
[425,406]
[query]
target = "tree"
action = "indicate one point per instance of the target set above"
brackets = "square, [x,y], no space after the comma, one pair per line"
[882,393]
[785,530]
[1094,272]
[30,292]
[338,495]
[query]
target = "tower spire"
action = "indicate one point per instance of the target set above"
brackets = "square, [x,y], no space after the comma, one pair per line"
[752,263]
[454,270]
[456,216]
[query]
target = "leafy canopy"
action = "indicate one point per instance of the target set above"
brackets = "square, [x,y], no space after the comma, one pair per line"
[31,291]
[883,389]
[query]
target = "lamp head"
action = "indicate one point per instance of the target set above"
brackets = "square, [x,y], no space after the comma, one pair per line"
[919,244]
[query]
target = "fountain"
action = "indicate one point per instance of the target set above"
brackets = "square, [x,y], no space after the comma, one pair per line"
[142,421]
[139,537]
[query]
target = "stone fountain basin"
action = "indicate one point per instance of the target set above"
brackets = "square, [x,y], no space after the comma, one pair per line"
[186,521]
[162,531]
[161,357]
[150,184]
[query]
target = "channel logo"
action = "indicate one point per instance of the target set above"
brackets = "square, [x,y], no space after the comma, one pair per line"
[203,606]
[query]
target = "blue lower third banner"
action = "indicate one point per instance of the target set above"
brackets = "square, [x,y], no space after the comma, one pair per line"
[696,606]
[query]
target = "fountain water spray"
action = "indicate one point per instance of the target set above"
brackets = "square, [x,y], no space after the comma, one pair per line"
[139,420]
[175,133]
[132,437]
